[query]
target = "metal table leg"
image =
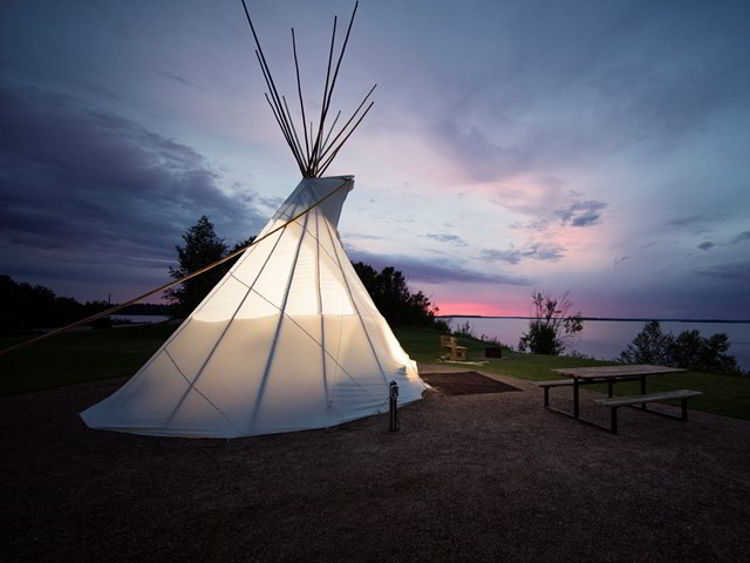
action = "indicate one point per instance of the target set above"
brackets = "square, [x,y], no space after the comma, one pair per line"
[577,383]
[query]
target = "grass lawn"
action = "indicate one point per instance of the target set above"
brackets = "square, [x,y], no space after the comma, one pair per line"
[78,356]
[118,352]
[722,394]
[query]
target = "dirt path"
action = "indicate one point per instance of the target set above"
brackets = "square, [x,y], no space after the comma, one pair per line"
[474,477]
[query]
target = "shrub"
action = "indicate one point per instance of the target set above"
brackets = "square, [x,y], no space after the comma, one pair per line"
[551,325]
[442,326]
[463,330]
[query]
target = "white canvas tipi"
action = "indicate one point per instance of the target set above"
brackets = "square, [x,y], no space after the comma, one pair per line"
[288,340]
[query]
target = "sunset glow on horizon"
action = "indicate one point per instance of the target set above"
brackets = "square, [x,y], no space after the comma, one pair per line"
[464,308]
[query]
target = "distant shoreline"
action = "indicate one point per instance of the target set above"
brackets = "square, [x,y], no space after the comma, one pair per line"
[644,320]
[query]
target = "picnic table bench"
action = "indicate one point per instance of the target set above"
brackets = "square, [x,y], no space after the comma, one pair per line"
[616,402]
[612,375]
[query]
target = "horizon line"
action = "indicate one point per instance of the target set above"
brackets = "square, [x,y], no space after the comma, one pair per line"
[621,319]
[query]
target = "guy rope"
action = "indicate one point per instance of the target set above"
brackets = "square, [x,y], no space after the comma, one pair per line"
[169,285]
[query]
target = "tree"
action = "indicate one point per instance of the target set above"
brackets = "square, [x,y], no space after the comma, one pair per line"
[693,351]
[551,325]
[688,350]
[391,295]
[242,244]
[650,346]
[202,247]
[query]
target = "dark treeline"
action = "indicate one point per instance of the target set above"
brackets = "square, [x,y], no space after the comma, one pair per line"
[394,299]
[29,307]
[26,307]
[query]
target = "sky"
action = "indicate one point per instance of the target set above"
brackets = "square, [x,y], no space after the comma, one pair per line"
[599,148]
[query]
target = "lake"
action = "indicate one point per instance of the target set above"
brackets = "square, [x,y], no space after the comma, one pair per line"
[142,319]
[606,339]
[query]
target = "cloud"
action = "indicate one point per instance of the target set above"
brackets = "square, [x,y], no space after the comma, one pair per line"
[696,224]
[431,272]
[533,195]
[581,213]
[536,251]
[85,182]
[362,236]
[446,237]
[544,199]
[736,271]
[538,225]
[651,103]
[606,100]
[114,20]
[482,159]
[617,262]
[742,237]
[174,77]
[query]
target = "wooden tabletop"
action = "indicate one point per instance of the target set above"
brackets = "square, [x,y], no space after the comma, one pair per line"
[621,370]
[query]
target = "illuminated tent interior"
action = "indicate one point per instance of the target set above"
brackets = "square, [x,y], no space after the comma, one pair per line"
[289,339]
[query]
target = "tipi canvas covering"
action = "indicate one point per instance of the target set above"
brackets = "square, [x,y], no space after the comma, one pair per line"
[288,340]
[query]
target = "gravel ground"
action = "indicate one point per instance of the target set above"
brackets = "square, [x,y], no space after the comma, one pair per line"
[471,477]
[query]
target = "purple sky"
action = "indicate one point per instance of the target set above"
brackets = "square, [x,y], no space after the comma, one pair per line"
[595,147]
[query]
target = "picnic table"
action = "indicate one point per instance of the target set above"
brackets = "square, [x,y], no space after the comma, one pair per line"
[611,375]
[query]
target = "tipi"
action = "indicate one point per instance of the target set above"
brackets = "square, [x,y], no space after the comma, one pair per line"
[289,339]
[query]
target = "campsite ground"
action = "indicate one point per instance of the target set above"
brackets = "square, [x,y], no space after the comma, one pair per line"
[475,477]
